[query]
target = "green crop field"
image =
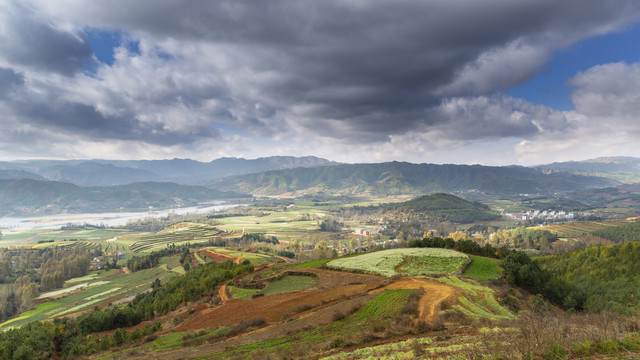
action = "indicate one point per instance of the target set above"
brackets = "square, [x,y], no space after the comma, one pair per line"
[413,261]
[43,238]
[482,268]
[578,229]
[379,309]
[290,283]
[478,301]
[187,233]
[96,289]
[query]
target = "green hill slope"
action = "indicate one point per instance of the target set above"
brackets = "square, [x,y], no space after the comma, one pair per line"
[607,277]
[405,178]
[448,207]
[26,196]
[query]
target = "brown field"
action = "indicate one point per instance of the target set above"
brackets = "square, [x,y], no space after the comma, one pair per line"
[291,312]
[219,257]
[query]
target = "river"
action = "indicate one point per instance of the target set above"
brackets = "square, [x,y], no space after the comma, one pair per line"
[109,219]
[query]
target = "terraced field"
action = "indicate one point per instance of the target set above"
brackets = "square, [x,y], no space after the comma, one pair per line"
[414,261]
[577,230]
[186,232]
[95,289]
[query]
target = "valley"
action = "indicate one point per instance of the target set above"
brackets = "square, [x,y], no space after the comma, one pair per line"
[341,276]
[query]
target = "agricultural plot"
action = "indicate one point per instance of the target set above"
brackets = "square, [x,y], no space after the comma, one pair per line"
[43,238]
[287,224]
[478,301]
[578,229]
[482,268]
[406,349]
[423,261]
[378,310]
[96,289]
[286,283]
[191,233]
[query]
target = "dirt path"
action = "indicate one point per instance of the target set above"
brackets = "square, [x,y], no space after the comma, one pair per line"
[222,292]
[435,293]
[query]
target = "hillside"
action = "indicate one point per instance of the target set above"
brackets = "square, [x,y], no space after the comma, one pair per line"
[27,196]
[405,178]
[119,172]
[620,168]
[606,277]
[448,207]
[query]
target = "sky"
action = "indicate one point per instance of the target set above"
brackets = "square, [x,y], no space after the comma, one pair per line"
[492,82]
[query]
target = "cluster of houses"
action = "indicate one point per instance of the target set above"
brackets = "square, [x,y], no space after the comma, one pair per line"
[542,215]
[365,232]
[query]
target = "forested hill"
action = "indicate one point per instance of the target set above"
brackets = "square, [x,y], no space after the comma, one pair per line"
[448,207]
[27,196]
[606,277]
[406,178]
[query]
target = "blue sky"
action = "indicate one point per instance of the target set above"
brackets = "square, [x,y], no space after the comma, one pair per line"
[495,82]
[549,86]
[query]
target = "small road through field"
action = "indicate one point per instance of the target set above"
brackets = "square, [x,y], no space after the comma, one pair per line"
[434,294]
[222,292]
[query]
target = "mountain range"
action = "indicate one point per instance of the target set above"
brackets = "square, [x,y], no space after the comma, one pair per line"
[38,186]
[621,168]
[120,172]
[28,196]
[393,178]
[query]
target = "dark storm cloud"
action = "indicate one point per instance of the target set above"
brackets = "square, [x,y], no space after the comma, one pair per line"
[356,70]
[9,81]
[375,66]
[28,41]
[86,121]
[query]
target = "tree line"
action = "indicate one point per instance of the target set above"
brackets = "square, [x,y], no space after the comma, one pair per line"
[67,337]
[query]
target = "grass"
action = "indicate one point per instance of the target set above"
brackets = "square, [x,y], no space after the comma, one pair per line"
[304,265]
[290,283]
[414,265]
[482,268]
[240,293]
[406,350]
[408,261]
[386,304]
[478,300]
[38,310]
[93,292]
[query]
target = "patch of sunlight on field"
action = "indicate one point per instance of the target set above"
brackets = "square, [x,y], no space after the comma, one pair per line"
[40,308]
[103,293]
[80,279]
[70,289]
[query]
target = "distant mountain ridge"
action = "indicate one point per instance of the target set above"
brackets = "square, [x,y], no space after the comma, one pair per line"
[28,196]
[406,178]
[120,172]
[620,168]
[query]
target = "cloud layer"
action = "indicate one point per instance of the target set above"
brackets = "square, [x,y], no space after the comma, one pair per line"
[353,81]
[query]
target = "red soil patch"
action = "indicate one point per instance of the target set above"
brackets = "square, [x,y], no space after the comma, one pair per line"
[434,294]
[222,293]
[220,257]
[332,286]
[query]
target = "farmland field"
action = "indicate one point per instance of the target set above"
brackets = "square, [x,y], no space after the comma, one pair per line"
[412,262]
[96,289]
[290,283]
[482,268]
[578,229]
